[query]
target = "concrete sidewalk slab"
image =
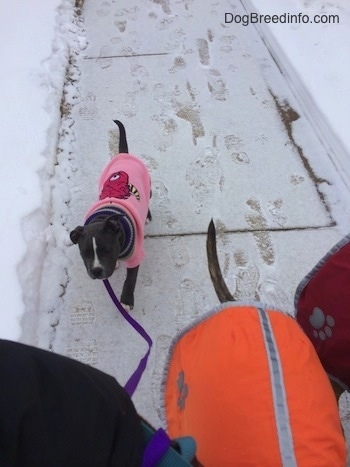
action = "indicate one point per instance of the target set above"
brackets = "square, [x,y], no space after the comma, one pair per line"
[218,139]
[213,133]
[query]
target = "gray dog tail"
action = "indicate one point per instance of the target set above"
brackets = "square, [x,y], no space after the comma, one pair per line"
[123,144]
[216,276]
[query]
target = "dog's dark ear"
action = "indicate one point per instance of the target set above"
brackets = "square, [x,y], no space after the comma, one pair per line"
[112,223]
[76,234]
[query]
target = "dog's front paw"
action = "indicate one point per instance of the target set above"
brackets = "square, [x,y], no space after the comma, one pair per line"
[127,301]
[127,308]
[127,296]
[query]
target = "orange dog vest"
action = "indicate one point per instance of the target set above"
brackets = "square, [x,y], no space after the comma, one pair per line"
[247,384]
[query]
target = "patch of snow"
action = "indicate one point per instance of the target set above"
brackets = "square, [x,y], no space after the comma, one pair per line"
[314,59]
[27,32]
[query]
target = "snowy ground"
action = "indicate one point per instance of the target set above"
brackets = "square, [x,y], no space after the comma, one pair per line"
[225,135]
[316,68]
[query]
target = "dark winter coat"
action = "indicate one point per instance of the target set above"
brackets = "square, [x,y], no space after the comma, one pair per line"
[55,411]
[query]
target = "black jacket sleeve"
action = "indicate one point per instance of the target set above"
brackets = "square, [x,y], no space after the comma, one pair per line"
[55,411]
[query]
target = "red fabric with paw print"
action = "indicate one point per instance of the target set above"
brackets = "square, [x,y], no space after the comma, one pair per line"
[322,303]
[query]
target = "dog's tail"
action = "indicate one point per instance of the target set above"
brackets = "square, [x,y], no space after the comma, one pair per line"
[123,144]
[217,279]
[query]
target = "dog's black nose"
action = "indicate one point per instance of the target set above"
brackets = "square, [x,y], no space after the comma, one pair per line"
[97,272]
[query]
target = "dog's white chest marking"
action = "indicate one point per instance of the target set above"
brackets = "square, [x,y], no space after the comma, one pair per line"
[96,263]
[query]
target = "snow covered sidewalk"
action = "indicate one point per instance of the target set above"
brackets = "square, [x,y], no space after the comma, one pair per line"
[207,109]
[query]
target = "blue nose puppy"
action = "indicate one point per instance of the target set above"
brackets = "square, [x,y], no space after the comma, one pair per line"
[114,225]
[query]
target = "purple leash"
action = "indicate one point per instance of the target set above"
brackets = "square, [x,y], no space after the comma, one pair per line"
[134,379]
[159,443]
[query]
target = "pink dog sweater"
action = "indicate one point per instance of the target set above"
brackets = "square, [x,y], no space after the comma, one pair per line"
[124,188]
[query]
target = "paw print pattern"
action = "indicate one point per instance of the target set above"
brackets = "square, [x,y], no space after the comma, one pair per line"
[182,391]
[321,323]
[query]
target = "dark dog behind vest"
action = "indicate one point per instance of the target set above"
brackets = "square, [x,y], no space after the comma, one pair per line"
[245,382]
[221,289]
